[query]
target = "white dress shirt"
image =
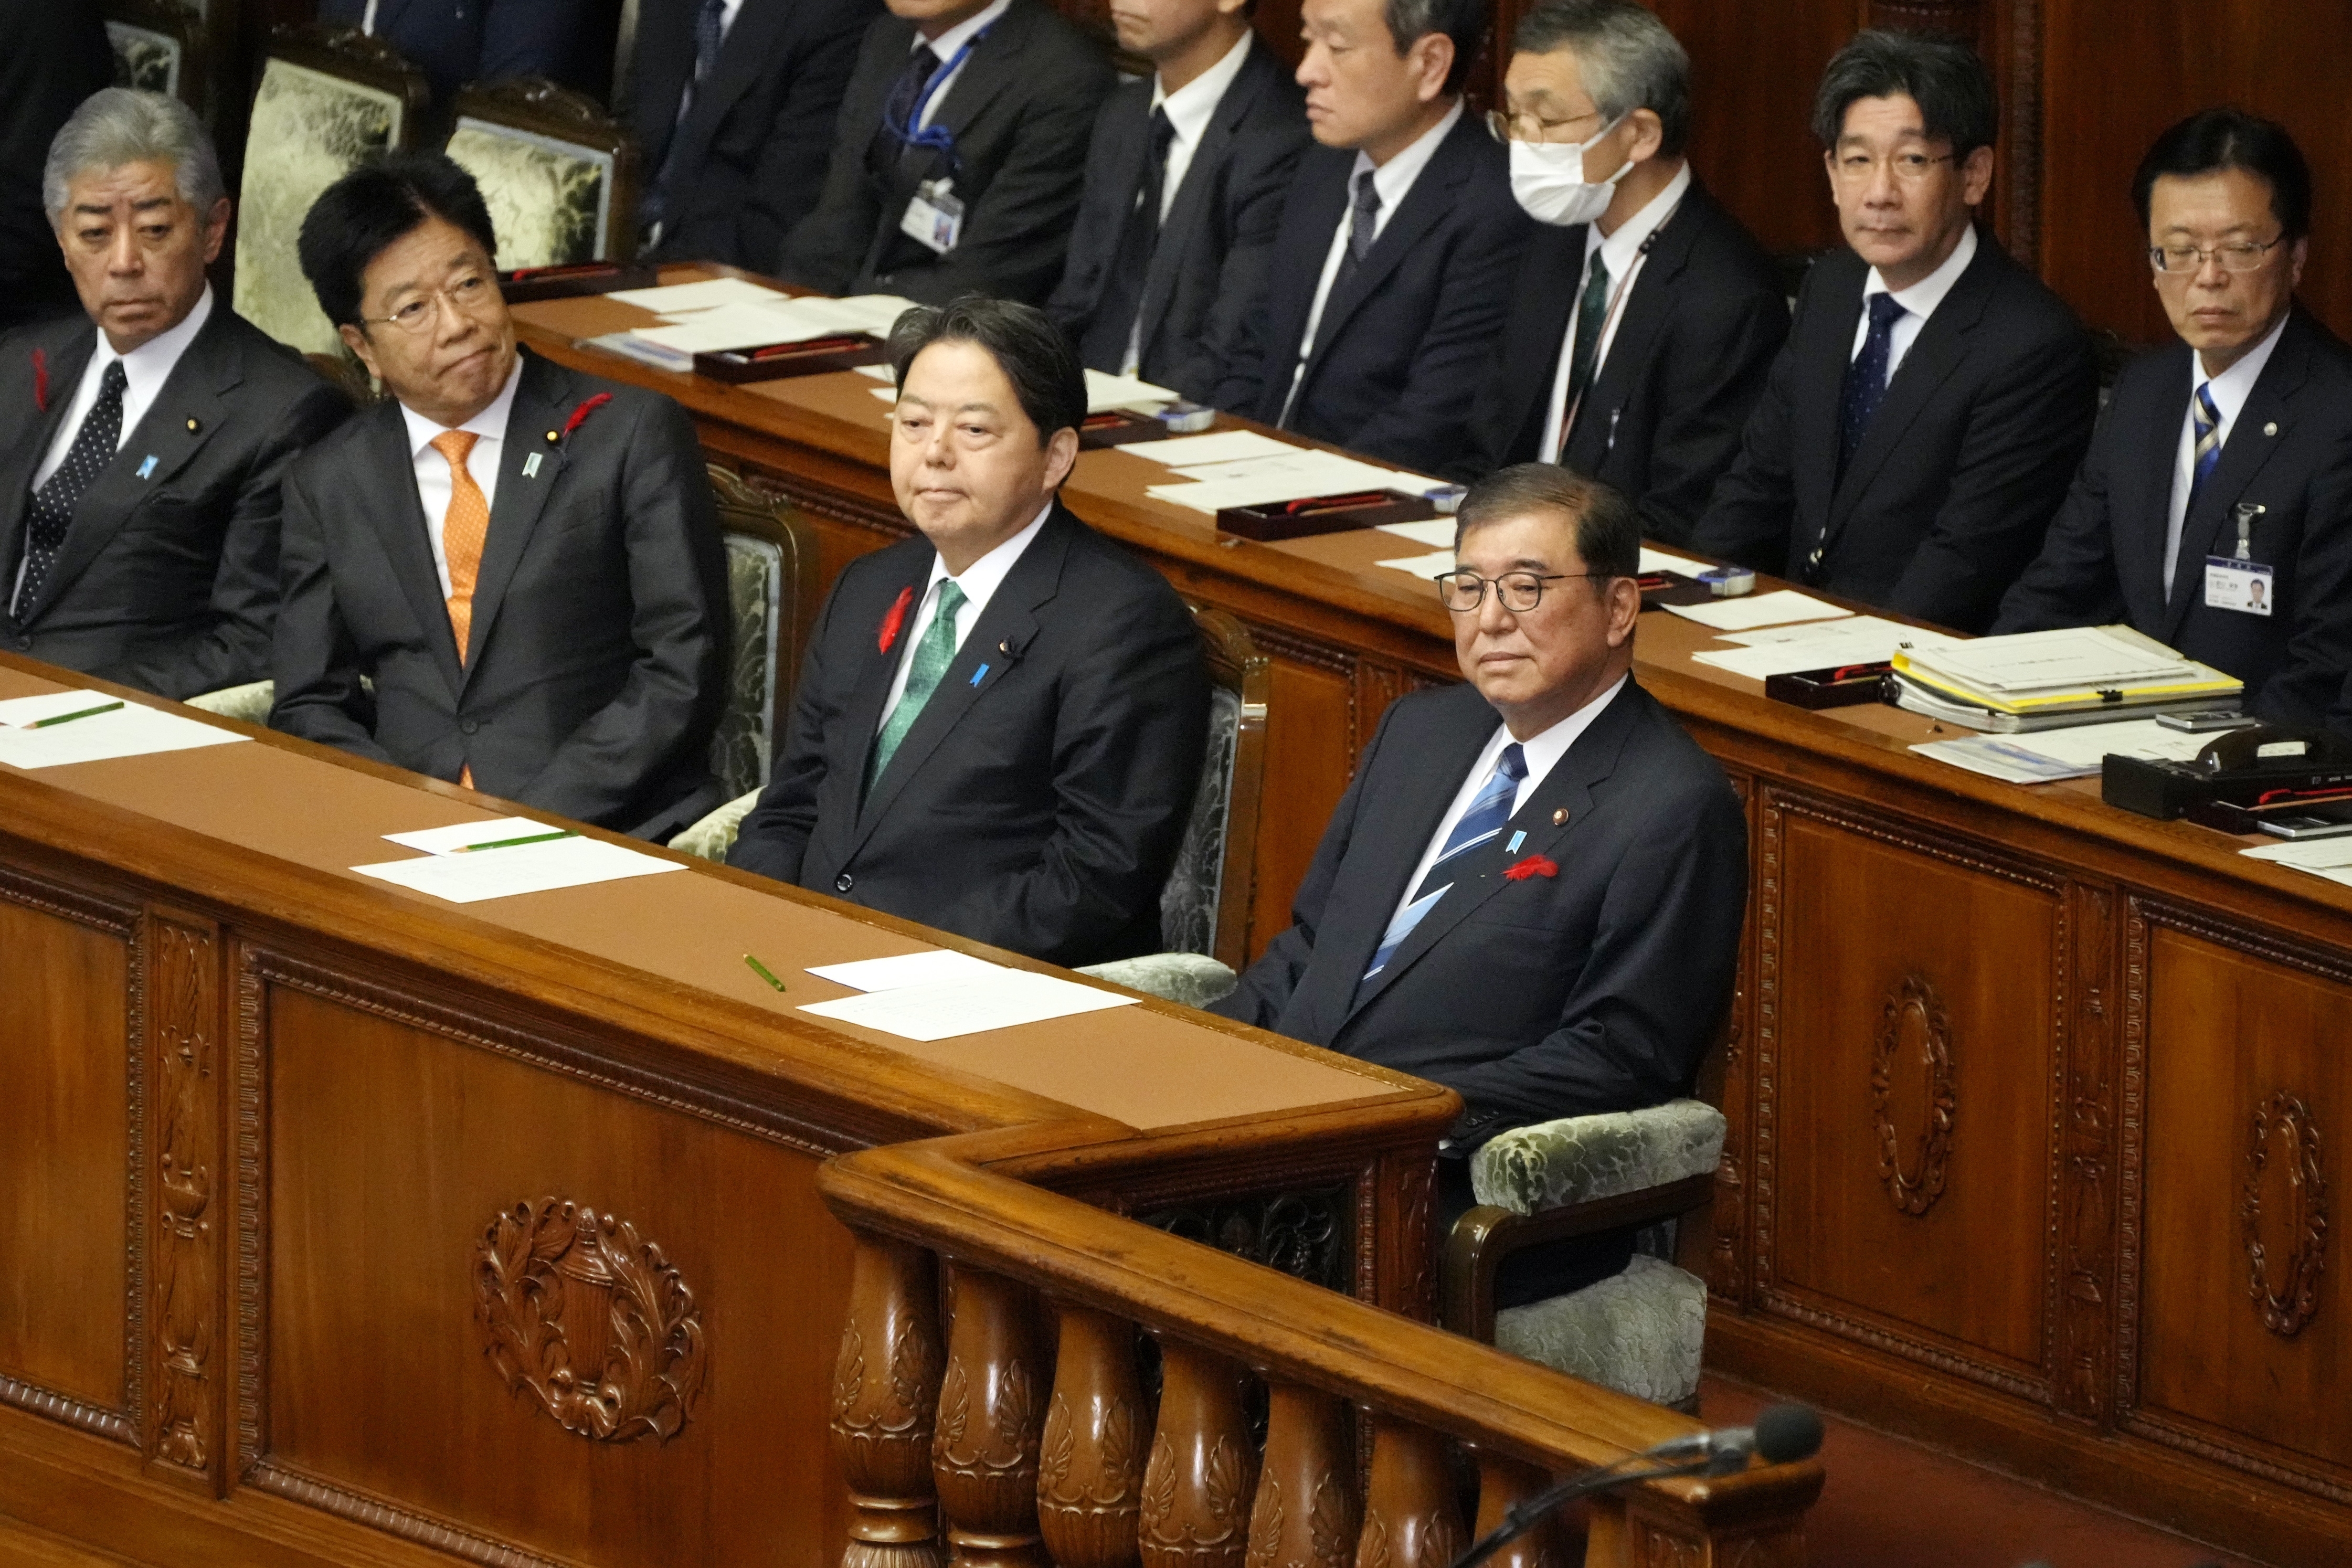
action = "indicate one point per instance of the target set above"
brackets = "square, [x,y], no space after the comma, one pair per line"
[145,369]
[1540,753]
[979,581]
[1189,110]
[945,46]
[1393,180]
[2229,389]
[1623,254]
[1918,302]
[434,483]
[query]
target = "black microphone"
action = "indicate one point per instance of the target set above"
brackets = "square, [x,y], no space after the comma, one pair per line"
[1782,1435]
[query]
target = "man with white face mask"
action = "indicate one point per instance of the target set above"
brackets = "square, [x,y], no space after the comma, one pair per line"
[1644,320]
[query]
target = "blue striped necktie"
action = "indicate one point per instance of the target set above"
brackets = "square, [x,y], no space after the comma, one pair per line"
[2209,443]
[1488,812]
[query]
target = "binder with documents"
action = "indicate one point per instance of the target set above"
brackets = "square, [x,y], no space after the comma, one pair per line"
[2036,679]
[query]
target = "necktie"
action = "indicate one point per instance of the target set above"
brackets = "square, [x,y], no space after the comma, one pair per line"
[932,656]
[1482,823]
[1364,211]
[463,529]
[882,153]
[1591,315]
[51,513]
[709,30]
[2206,416]
[1114,320]
[1865,378]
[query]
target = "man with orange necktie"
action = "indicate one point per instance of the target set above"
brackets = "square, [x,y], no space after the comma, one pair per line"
[524,561]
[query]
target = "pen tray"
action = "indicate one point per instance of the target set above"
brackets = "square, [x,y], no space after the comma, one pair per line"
[775,361]
[1660,589]
[1301,518]
[526,284]
[1120,427]
[1823,687]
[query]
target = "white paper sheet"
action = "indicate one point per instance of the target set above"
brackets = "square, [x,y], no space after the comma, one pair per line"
[628,345]
[2308,855]
[127,731]
[887,394]
[1421,566]
[1217,447]
[1659,561]
[876,313]
[1259,481]
[2074,659]
[1815,645]
[25,711]
[1107,391]
[1759,610]
[971,1006]
[681,298]
[935,967]
[2078,750]
[1437,533]
[524,868]
[465,834]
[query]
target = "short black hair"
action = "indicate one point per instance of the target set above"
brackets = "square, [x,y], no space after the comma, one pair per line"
[1463,21]
[2213,139]
[383,198]
[1942,75]
[1032,351]
[1608,528]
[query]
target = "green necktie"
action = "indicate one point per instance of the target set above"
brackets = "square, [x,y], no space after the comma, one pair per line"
[1591,315]
[932,656]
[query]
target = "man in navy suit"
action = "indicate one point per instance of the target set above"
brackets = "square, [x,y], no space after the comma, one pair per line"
[1532,891]
[454,42]
[2214,512]
[998,724]
[1400,237]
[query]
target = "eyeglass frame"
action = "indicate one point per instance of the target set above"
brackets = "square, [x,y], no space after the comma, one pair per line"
[1499,123]
[1539,578]
[1838,170]
[2205,252]
[434,298]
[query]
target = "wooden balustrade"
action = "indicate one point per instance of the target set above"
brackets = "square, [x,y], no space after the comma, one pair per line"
[1030,1473]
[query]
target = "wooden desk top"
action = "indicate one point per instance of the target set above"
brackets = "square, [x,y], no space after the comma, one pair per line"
[274,826]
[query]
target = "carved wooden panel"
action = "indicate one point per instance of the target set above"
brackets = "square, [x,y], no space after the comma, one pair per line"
[2285,1215]
[1726,1259]
[1306,1234]
[885,1389]
[187,1231]
[2086,1161]
[71,1162]
[1909,1022]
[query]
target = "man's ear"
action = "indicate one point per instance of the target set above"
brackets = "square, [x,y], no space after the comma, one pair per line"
[1624,601]
[1061,456]
[216,230]
[1976,175]
[1649,135]
[1432,62]
[2295,260]
[357,342]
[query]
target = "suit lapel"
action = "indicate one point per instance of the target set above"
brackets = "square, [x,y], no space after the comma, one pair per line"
[392,510]
[1934,354]
[1638,326]
[742,58]
[67,353]
[1821,364]
[2262,427]
[1433,194]
[1549,279]
[539,407]
[861,718]
[2142,498]
[1189,209]
[992,67]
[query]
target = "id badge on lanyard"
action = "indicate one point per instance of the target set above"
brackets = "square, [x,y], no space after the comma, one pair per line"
[934,215]
[2239,582]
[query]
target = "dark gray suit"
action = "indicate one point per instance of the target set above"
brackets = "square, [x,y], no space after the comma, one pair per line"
[1215,247]
[168,583]
[597,662]
[1037,802]
[1020,111]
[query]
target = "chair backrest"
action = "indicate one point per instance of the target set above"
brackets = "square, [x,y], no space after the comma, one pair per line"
[1205,907]
[773,584]
[558,173]
[161,46]
[327,97]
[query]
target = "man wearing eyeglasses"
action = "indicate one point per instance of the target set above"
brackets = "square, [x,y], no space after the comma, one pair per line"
[2214,512]
[1532,891]
[520,562]
[1933,398]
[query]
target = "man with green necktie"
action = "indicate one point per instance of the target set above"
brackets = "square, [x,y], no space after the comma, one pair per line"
[1000,723]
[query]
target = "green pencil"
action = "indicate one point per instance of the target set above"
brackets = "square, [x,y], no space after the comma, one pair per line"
[763,972]
[509,842]
[69,718]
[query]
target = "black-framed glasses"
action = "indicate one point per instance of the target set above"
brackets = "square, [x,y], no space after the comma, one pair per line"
[2235,255]
[1909,166]
[468,296]
[1518,591]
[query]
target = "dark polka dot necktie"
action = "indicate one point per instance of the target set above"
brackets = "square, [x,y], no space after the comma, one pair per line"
[53,504]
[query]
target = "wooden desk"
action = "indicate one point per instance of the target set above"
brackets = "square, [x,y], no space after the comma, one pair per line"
[2018,1083]
[285,1151]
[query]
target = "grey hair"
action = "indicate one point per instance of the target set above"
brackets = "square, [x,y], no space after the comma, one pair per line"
[1627,59]
[120,125]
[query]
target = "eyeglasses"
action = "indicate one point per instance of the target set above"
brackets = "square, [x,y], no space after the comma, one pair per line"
[2236,256]
[1909,167]
[468,295]
[1527,127]
[1519,591]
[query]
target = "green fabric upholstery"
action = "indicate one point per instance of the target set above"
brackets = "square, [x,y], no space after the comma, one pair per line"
[741,746]
[711,838]
[1191,978]
[1531,1169]
[250,702]
[1640,1333]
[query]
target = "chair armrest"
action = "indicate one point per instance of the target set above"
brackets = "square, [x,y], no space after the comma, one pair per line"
[1194,979]
[1550,1164]
[1484,1236]
[711,838]
[250,702]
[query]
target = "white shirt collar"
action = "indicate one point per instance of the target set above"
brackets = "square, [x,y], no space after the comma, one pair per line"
[146,368]
[1189,106]
[1922,297]
[2234,386]
[946,44]
[1619,249]
[981,580]
[490,424]
[1394,178]
[1544,751]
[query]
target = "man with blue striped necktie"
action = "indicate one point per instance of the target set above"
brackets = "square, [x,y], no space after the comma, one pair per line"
[1532,892]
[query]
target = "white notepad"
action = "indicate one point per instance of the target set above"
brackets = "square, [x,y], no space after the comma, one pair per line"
[1758,610]
[522,868]
[907,968]
[945,1009]
[129,731]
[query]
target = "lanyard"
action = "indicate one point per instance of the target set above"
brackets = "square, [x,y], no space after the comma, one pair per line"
[937,137]
[1618,294]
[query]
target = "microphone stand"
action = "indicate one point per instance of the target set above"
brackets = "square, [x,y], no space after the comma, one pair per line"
[1517,1521]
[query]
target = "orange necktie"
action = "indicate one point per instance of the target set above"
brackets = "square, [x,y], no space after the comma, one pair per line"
[465,527]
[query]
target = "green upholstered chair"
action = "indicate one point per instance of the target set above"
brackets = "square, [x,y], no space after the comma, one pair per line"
[558,173]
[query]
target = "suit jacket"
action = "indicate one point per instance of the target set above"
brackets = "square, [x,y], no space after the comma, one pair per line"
[1948,495]
[1695,342]
[746,161]
[51,57]
[1216,246]
[455,42]
[597,662]
[1038,801]
[1020,112]
[168,583]
[1399,351]
[1597,988]
[2290,452]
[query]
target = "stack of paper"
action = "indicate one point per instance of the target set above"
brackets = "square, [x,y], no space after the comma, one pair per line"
[1298,473]
[1815,645]
[2036,674]
[938,995]
[1659,561]
[1104,393]
[675,299]
[1759,610]
[83,726]
[2328,857]
[2074,752]
[508,855]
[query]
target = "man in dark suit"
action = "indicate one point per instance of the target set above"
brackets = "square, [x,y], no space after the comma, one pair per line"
[1184,185]
[454,42]
[524,561]
[732,106]
[2214,512]
[1532,891]
[51,57]
[1398,238]
[144,441]
[999,725]
[1920,425]
[958,157]
[1645,319]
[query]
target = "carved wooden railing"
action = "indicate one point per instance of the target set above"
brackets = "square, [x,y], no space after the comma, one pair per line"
[1023,1437]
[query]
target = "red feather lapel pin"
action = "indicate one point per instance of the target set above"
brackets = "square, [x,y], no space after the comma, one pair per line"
[895,619]
[1533,865]
[584,410]
[40,381]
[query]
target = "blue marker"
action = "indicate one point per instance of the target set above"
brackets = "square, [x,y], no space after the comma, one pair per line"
[1517,839]
[978,673]
[147,469]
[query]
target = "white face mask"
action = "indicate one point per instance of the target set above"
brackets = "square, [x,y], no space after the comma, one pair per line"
[1548,177]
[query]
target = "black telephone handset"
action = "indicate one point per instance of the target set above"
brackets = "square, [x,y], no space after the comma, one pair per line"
[2269,747]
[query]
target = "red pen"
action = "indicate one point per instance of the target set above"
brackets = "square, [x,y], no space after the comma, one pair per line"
[1333,503]
[808,346]
[2271,796]
[569,270]
[1850,671]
